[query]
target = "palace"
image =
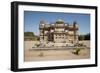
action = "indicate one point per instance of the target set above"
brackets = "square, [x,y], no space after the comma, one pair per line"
[59,33]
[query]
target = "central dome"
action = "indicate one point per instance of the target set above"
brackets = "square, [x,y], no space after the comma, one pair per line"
[59,21]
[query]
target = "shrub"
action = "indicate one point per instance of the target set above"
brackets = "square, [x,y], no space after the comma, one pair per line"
[37,45]
[77,51]
[41,54]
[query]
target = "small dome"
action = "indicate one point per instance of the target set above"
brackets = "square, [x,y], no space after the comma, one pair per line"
[59,21]
[42,22]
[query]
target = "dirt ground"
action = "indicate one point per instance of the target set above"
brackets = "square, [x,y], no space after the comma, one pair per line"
[55,55]
[43,55]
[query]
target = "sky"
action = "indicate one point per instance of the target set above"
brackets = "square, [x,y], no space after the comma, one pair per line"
[32,20]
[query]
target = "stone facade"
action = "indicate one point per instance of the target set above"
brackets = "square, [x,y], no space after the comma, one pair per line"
[59,32]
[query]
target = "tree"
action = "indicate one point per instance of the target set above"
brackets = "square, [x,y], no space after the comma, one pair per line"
[28,34]
[87,36]
[81,37]
[84,37]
